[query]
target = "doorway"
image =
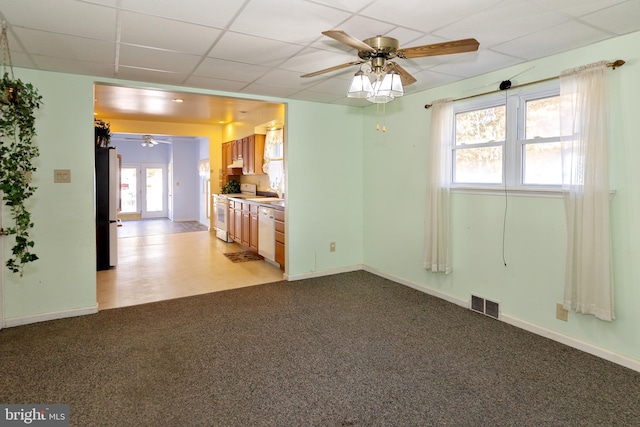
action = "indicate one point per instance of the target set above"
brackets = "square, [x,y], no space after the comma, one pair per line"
[144,190]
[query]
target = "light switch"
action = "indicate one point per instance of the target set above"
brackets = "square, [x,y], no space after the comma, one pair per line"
[62,175]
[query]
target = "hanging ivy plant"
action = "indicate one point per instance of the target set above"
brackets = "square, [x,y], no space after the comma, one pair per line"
[18,101]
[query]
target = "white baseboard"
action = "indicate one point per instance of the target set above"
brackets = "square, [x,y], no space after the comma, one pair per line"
[600,352]
[25,320]
[321,273]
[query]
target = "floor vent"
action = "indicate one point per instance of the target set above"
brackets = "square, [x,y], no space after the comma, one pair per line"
[485,306]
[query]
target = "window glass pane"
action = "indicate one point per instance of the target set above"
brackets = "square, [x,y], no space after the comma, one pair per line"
[543,164]
[155,190]
[480,126]
[479,165]
[542,118]
[129,190]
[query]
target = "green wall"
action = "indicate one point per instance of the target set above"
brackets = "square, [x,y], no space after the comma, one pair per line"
[324,158]
[64,278]
[363,189]
[531,284]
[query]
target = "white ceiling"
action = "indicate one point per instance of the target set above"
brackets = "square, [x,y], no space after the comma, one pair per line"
[262,47]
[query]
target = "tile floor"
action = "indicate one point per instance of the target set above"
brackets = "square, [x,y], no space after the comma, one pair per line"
[154,266]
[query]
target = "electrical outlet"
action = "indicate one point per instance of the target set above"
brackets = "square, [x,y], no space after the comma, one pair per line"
[332,247]
[561,313]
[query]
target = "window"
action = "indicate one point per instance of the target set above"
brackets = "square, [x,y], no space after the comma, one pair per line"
[511,140]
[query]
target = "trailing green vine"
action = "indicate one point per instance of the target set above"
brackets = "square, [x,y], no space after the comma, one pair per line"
[18,101]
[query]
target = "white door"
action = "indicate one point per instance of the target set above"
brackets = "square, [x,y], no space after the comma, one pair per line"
[154,200]
[144,190]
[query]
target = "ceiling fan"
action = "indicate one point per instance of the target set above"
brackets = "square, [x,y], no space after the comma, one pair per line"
[378,52]
[149,141]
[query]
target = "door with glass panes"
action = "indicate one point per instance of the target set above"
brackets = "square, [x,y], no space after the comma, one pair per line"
[144,190]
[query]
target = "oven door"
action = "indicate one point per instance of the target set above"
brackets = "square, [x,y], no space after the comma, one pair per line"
[220,214]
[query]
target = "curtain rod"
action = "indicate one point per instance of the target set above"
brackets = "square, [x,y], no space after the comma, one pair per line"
[613,65]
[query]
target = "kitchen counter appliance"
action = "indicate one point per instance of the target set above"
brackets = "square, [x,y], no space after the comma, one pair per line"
[267,234]
[221,209]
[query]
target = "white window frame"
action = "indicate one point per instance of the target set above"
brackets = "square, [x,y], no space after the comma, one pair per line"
[512,150]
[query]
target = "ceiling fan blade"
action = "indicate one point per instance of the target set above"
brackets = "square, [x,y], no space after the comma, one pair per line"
[446,48]
[405,76]
[334,68]
[345,38]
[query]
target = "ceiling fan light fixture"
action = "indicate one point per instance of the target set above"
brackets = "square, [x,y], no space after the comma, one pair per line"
[391,85]
[360,86]
[377,96]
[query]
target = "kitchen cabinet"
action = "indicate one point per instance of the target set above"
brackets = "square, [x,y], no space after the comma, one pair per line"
[237,213]
[246,225]
[279,224]
[253,227]
[243,223]
[227,159]
[236,150]
[253,154]
[231,218]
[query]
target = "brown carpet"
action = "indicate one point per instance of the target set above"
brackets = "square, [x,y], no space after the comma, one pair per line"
[243,256]
[346,350]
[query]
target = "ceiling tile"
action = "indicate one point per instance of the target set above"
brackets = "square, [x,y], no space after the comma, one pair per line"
[620,19]
[150,31]
[285,78]
[408,38]
[149,75]
[362,27]
[280,92]
[250,49]
[277,19]
[334,86]
[229,70]
[205,12]
[475,63]
[156,59]
[66,17]
[417,15]
[569,35]
[215,84]
[577,7]
[429,79]
[311,60]
[308,95]
[509,20]
[68,47]
[348,5]
[62,65]
[22,60]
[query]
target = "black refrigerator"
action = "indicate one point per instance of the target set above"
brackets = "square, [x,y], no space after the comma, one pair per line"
[107,203]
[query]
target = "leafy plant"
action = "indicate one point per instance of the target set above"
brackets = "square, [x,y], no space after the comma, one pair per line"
[231,187]
[102,132]
[18,101]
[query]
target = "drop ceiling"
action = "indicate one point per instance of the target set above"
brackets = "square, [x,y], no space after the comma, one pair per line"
[262,47]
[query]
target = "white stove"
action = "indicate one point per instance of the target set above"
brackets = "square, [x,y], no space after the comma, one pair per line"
[221,209]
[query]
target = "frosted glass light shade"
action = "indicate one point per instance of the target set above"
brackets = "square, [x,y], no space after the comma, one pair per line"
[360,86]
[391,85]
[378,97]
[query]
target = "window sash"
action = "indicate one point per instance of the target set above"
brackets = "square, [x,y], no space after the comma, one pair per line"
[515,146]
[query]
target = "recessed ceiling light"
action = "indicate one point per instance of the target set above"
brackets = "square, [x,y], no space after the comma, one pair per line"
[178,100]
[221,122]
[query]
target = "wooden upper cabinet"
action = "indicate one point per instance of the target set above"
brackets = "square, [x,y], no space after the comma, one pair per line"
[227,159]
[253,154]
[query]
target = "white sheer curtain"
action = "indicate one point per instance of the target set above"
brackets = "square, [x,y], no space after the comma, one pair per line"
[584,120]
[437,256]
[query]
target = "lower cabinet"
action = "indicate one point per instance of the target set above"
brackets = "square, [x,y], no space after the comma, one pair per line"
[279,224]
[243,223]
[253,227]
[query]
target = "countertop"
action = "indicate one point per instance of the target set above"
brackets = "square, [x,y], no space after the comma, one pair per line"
[270,202]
